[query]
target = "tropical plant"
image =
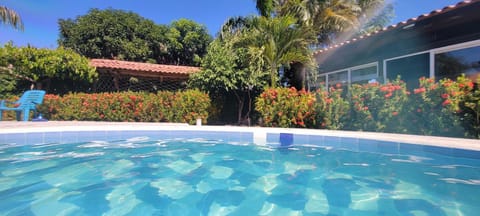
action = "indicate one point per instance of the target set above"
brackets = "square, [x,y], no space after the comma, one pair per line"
[10,17]
[282,41]
[44,67]
[228,68]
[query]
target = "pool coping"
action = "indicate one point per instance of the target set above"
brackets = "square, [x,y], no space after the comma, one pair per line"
[7,127]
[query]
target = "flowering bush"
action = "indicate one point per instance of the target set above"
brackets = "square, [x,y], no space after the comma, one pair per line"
[332,109]
[435,106]
[444,108]
[190,105]
[376,107]
[127,106]
[286,107]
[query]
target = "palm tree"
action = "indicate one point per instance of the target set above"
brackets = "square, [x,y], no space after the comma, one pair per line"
[10,17]
[282,41]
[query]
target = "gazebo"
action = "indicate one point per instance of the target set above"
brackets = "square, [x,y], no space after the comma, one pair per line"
[116,75]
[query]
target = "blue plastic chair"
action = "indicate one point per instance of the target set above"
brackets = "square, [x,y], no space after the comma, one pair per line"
[28,102]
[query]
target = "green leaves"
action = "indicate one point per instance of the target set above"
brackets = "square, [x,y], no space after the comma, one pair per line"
[117,34]
[36,65]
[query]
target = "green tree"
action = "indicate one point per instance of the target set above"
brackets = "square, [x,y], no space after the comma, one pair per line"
[46,69]
[10,17]
[282,41]
[114,34]
[188,42]
[228,68]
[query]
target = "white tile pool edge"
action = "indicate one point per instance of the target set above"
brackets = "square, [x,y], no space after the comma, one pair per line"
[258,132]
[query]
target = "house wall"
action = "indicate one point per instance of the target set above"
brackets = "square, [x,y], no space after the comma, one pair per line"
[442,45]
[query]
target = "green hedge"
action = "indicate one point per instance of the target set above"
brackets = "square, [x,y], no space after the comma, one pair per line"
[185,106]
[445,108]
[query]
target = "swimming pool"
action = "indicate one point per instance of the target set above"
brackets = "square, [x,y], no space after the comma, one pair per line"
[195,172]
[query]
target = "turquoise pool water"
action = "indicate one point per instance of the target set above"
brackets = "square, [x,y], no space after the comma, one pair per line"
[163,175]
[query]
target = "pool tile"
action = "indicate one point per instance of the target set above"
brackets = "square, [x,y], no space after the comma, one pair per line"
[18,138]
[388,147]
[368,145]
[349,143]
[34,138]
[52,137]
[273,138]
[316,140]
[332,141]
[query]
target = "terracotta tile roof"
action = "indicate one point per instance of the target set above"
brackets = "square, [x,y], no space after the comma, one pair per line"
[143,67]
[401,24]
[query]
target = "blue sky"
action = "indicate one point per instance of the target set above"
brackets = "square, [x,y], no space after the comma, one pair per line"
[40,16]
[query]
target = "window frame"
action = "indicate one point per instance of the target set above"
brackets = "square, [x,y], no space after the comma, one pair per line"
[349,72]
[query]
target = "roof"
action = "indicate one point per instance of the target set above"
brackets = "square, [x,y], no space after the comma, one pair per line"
[404,24]
[143,67]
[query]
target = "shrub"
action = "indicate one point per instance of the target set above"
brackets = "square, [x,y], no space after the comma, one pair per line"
[444,108]
[190,105]
[377,107]
[286,107]
[331,109]
[436,107]
[128,106]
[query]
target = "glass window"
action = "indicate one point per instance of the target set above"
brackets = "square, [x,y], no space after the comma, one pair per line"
[452,64]
[363,75]
[339,77]
[410,69]
[322,81]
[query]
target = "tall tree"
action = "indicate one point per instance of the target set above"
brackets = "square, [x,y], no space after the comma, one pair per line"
[188,42]
[114,34]
[230,69]
[10,17]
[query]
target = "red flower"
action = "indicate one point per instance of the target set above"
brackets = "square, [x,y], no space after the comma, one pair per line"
[338,85]
[419,90]
[419,110]
[394,113]
[446,102]
[388,95]
[444,96]
[470,84]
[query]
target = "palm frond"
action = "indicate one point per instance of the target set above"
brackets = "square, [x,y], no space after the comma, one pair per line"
[10,17]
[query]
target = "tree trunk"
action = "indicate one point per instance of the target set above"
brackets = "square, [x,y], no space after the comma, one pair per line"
[240,101]
[298,73]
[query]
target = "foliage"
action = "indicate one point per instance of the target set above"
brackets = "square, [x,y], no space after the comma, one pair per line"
[189,106]
[330,19]
[127,106]
[436,106]
[444,108]
[10,17]
[229,68]
[188,42]
[113,34]
[286,107]
[36,66]
[376,107]
[117,34]
[281,41]
[332,110]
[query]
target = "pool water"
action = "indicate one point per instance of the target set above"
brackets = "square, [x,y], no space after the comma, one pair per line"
[154,176]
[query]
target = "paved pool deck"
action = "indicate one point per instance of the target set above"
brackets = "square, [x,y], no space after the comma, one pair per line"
[7,127]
